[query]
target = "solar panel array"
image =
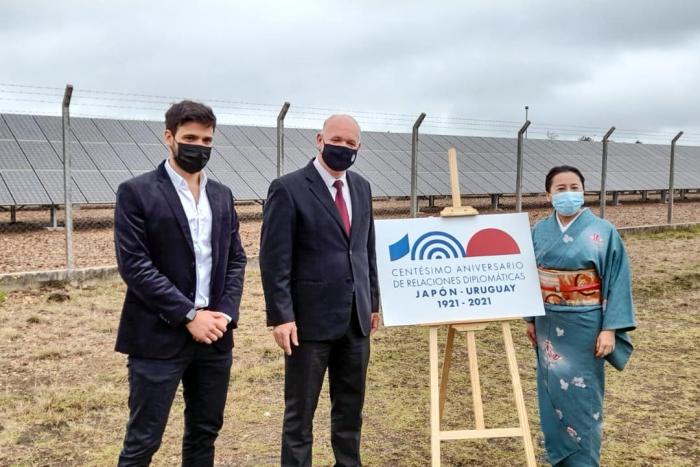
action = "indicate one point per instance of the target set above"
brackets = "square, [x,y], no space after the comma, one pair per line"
[106,152]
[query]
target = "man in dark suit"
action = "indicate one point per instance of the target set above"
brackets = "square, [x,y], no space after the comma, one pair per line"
[179,252]
[319,276]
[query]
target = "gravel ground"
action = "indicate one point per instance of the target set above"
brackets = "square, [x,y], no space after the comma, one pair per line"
[29,246]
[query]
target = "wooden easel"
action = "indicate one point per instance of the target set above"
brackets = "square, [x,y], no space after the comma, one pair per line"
[438,387]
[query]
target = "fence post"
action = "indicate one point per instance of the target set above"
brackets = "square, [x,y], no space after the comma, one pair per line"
[519,170]
[670,177]
[414,165]
[67,177]
[280,138]
[604,173]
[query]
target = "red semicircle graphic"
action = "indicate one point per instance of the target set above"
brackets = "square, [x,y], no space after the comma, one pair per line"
[492,242]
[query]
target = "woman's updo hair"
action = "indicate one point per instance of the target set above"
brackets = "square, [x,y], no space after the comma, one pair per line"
[554,171]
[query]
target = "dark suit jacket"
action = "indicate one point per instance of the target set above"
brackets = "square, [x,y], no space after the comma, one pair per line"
[155,255]
[311,270]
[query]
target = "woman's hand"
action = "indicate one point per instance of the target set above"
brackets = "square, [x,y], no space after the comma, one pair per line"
[605,343]
[531,333]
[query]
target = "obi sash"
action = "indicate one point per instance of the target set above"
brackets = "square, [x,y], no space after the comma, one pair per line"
[570,288]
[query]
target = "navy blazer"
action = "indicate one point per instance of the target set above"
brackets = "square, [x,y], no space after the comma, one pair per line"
[311,270]
[155,255]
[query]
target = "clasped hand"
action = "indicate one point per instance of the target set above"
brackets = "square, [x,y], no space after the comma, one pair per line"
[207,326]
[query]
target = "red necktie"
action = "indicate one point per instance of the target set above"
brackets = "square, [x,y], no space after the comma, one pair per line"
[342,207]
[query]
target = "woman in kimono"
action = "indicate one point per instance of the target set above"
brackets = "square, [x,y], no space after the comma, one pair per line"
[586,286]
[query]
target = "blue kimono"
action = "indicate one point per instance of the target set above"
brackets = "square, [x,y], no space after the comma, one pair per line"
[570,379]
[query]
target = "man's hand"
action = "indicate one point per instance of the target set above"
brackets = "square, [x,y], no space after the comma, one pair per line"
[375,322]
[605,343]
[207,326]
[286,335]
[531,333]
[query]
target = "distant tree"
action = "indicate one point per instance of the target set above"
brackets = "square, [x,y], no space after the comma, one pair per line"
[551,135]
[587,139]
[638,142]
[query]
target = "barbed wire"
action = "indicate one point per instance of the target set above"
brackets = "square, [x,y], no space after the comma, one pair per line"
[84,98]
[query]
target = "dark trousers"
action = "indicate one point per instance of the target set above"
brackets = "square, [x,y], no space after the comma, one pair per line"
[204,372]
[346,360]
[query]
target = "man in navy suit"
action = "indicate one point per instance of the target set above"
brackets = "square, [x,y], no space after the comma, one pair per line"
[180,254]
[319,275]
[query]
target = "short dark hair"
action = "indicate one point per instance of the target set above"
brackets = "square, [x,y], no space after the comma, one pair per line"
[189,111]
[554,171]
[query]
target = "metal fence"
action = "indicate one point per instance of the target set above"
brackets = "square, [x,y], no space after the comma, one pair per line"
[74,235]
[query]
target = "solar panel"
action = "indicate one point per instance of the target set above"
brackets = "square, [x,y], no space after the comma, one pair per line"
[218,162]
[300,139]
[24,127]
[270,133]
[93,185]
[156,153]
[103,156]
[257,182]
[372,140]
[79,158]
[52,180]
[157,128]
[400,181]
[85,131]
[52,127]
[5,196]
[234,135]
[258,137]
[376,159]
[12,157]
[25,187]
[434,183]
[112,130]
[106,152]
[116,177]
[372,178]
[236,182]
[41,155]
[266,161]
[132,156]
[5,132]
[141,133]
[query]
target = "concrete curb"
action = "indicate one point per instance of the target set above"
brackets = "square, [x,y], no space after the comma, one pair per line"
[19,280]
[657,228]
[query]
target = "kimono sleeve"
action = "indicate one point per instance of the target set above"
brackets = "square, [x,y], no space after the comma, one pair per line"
[618,307]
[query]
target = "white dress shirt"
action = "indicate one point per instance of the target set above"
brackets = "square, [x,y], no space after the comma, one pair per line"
[329,180]
[199,219]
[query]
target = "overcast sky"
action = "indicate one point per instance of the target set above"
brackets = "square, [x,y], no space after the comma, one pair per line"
[576,64]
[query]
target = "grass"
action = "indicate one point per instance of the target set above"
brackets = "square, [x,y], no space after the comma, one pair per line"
[63,390]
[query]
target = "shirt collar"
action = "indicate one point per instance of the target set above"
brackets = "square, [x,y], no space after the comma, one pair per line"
[329,179]
[564,228]
[179,182]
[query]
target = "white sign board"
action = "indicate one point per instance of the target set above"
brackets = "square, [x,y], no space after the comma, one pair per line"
[460,269]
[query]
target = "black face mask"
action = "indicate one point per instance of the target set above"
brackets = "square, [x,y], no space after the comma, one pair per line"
[192,158]
[338,158]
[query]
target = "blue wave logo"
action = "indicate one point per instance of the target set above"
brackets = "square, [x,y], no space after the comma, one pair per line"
[431,245]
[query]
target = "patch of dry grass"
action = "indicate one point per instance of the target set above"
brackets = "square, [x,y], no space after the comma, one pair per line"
[63,389]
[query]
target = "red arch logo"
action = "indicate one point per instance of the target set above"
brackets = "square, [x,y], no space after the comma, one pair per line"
[492,242]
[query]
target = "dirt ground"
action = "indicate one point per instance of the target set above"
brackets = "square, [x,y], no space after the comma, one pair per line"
[29,246]
[63,390]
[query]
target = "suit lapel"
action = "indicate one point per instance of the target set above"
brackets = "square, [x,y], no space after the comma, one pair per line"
[217,214]
[320,191]
[173,200]
[356,199]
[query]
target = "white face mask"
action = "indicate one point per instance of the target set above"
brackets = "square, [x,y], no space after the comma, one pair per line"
[567,203]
